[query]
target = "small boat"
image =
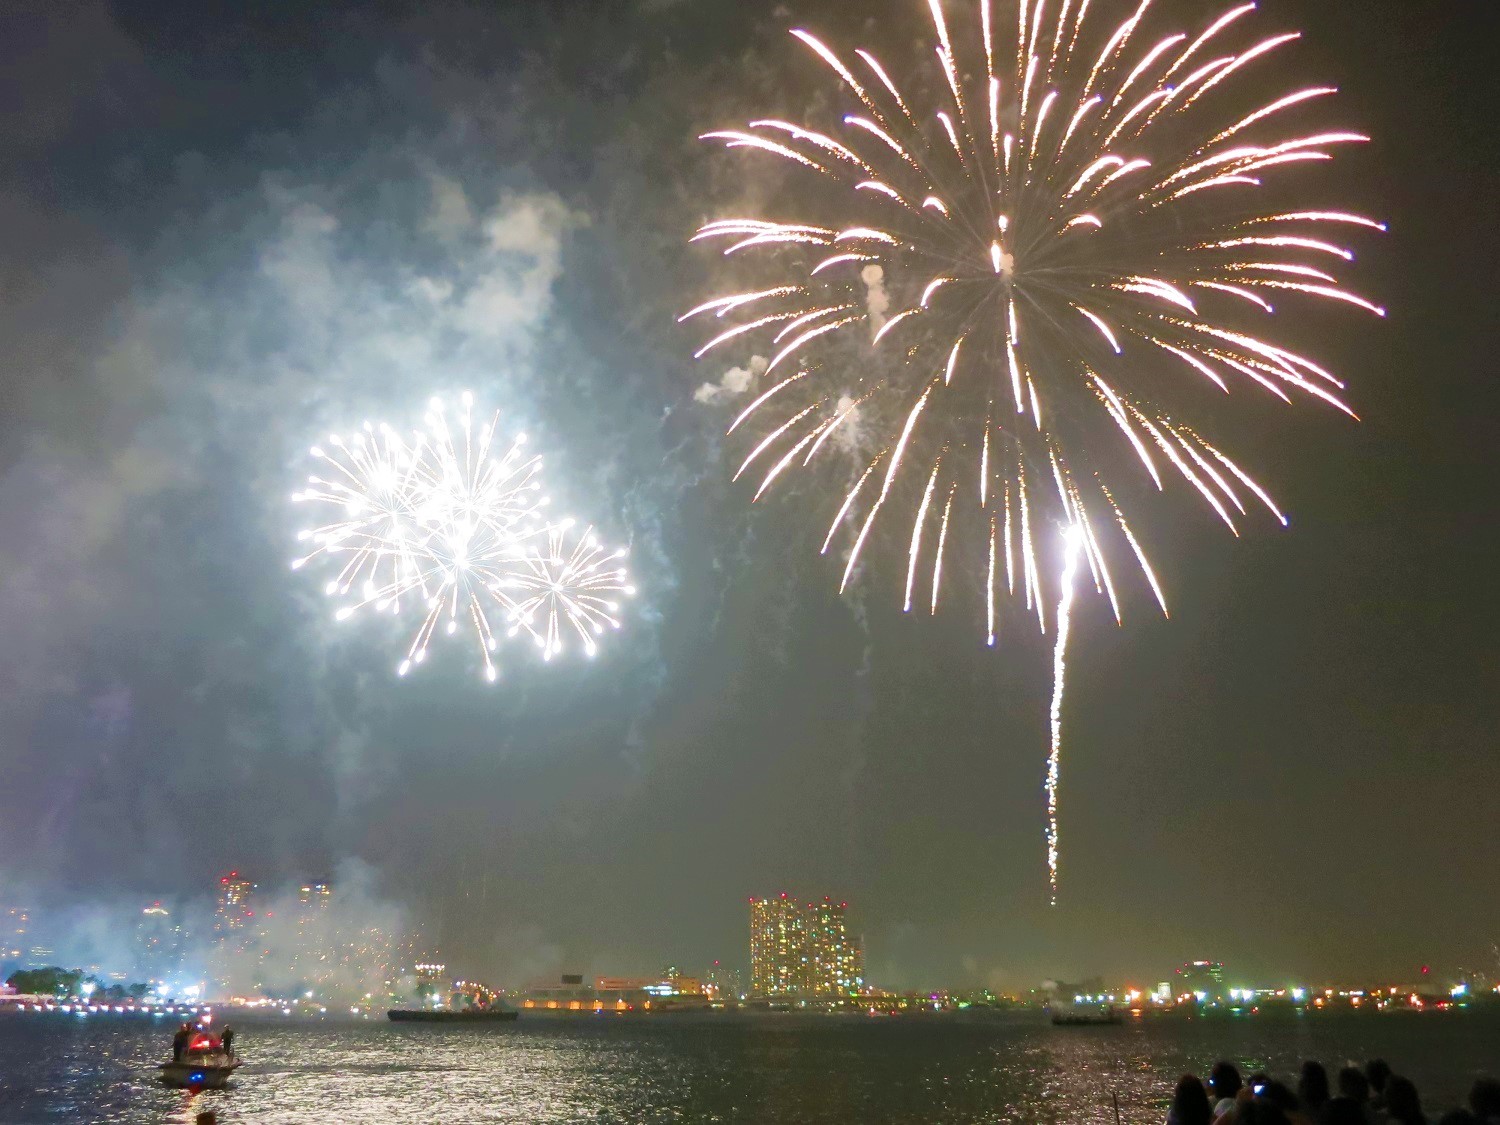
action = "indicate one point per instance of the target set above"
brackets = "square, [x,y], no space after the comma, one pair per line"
[1080,1015]
[462,1015]
[200,1070]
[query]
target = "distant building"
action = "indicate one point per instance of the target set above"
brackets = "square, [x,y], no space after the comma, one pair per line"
[803,951]
[612,994]
[778,947]
[315,950]
[1204,979]
[725,983]
[235,898]
[158,944]
[235,937]
[836,960]
[314,897]
[15,924]
[430,978]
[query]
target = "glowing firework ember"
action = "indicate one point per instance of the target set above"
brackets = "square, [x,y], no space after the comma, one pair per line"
[1008,303]
[443,521]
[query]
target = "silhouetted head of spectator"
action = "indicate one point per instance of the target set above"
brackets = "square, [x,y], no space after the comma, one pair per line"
[1401,1102]
[1378,1071]
[1280,1095]
[1354,1085]
[1190,1102]
[1224,1080]
[1346,1111]
[1459,1117]
[1312,1086]
[1484,1099]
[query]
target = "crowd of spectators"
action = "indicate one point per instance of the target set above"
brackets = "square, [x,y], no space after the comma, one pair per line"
[1370,1096]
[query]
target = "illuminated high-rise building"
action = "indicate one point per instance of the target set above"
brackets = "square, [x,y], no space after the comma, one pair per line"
[235,937]
[317,951]
[807,951]
[836,958]
[158,942]
[778,947]
[233,910]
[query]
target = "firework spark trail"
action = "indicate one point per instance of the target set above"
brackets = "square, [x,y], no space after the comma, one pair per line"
[1074,547]
[1080,242]
[441,520]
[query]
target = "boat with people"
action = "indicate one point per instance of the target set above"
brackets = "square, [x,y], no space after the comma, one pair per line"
[200,1060]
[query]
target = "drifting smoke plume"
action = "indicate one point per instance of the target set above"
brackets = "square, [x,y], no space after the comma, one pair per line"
[736,381]
[282,943]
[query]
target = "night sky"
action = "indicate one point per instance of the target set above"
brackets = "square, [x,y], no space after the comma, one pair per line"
[222,226]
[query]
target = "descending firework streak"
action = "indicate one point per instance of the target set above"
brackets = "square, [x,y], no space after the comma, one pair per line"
[1077,227]
[441,520]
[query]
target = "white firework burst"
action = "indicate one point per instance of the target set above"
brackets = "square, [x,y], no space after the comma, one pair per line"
[451,521]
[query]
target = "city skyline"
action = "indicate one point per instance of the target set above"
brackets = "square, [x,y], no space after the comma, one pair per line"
[798,979]
[796,950]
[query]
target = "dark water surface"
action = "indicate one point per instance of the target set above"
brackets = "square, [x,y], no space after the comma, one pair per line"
[813,1070]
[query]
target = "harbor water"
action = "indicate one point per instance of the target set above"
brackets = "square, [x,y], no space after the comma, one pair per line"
[808,1070]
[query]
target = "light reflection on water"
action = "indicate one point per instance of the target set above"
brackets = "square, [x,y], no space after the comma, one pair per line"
[808,1070]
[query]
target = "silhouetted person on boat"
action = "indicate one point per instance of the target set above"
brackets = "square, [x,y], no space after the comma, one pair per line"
[1190,1103]
[227,1039]
[179,1042]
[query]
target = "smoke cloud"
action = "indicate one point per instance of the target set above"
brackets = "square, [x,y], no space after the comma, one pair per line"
[877,301]
[736,381]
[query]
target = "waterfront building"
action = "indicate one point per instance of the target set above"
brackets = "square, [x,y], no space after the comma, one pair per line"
[725,983]
[803,951]
[680,984]
[835,957]
[430,982]
[315,897]
[232,910]
[158,943]
[315,952]
[1202,979]
[778,947]
[40,956]
[620,995]
[15,924]
[235,935]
